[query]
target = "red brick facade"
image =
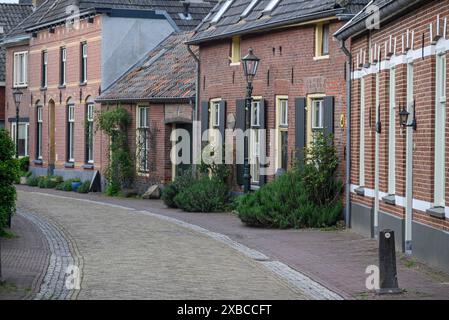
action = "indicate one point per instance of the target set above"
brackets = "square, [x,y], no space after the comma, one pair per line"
[288,67]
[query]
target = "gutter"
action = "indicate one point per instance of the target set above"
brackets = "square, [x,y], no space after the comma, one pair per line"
[348,134]
[265,26]
[197,96]
[152,100]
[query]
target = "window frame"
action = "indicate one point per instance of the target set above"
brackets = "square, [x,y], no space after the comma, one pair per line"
[70,132]
[90,106]
[63,66]
[215,113]
[236,53]
[440,130]
[39,133]
[44,69]
[27,136]
[83,67]
[320,112]
[281,129]
[392,133]
[320,40]
[21,68]
[283,112]
[142,127]
[362,134]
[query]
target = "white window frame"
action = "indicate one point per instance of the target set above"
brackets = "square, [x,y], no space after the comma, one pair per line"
[142,123]
[362,134]
[71,132]
[325,39]
[215,114]
[221,11]
[280,128]
[84,62]
[255,155]
[39,137]
[271,5]
[90,126]
[27,133]
[44,69]
[320,104]
[283,108]
[255,113]
[440,131]
[249,8]
[63,65]
[392,134]
[20,77]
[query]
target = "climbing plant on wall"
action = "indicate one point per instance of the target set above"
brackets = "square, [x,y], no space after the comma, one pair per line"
[120,169]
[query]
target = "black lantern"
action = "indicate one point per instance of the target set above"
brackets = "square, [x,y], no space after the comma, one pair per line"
[403,117]
[17,96]
[250,64]
[17,93]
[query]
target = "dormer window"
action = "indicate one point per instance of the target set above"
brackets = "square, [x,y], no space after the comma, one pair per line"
[271,5]
[249,8]
[222,10]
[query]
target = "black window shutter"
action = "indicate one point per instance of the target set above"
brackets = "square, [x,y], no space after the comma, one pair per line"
[328,116]
[240,124]
[204,117]
[222,124]
[262,142]
[300,127]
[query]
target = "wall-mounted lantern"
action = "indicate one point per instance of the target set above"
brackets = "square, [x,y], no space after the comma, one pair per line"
[403,117]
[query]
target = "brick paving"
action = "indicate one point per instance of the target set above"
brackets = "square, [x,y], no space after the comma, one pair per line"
[128,254]
[336,259]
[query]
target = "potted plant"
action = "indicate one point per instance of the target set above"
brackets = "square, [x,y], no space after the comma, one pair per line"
[75,184]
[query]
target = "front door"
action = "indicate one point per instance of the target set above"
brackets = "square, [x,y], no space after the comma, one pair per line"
[183,167]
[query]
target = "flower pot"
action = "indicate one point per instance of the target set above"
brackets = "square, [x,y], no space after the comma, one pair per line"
[23,180]
[75,185]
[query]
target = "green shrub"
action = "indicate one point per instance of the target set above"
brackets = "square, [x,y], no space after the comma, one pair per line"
[60,186]
[66,185]
[306,197]
[203,195]
[84,187]
[113,189]
[33,181]
[42,182]
[172,189]
[9,171]
[24,163]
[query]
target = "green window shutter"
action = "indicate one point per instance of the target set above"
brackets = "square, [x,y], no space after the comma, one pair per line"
[300,127]
[328,116]
[262,122]
[204,116]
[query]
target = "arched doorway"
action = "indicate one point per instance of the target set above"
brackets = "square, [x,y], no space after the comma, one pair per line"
[51,137]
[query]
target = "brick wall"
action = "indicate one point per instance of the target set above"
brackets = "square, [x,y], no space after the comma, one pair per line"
[424,95]
[287,67]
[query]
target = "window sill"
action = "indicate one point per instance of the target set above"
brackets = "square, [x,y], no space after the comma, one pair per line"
[61,86]
[43,89]
[317,58]
[83,84]
[360,191]
[234,64]
[22,86]
[88,166]
[70,164]
[436,212]
[38,162]
[390,199]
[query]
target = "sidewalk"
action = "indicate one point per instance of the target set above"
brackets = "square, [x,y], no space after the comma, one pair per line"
[336,259]
[24,260]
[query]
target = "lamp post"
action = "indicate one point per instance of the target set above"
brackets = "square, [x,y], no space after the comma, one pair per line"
[403,117]
[17,99]
[250,65]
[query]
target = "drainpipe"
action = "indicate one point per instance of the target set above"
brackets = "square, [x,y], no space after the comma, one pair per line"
[197,101]
[348,134]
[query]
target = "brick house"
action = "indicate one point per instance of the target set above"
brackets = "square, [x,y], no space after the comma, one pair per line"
[300,85]
[159,93]
[74,50]
[11,14]
[399,174]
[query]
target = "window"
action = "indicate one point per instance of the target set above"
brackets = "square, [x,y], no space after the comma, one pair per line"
[90,132]
[142,139]
[283,105]
[249,8]
[44,69]
[271,5]
[215,114]
[39,132]
[222,10]
[62,63]
[440,113]
[322,40]
[254,141]
[255,113]
[362,135]
[317,113]
[235,50]
[392,135]
[23,137]
[282,132]
[83,63]
[20,69]
[70,132]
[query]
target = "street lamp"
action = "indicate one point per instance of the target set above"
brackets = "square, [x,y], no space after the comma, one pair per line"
[403,117]
[250,65]
[17,99]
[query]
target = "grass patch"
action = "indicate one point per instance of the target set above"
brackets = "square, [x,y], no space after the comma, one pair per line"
[7,234]
[7,287]
[409,262]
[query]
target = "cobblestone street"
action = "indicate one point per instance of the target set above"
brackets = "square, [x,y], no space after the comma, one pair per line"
[129,254]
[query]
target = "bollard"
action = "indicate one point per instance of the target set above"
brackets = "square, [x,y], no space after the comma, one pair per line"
[387,263]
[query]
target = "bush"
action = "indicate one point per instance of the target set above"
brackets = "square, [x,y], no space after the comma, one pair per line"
[9,171]
[33,181]
[306,197]
[172,189]
[203,195]
[84,187]
[66,185]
